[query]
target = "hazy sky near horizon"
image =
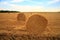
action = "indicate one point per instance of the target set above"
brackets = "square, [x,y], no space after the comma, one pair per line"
[30,5]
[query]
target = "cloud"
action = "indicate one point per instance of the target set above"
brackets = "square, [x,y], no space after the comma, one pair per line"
[1,8]
[50,9]
[28,8]
[25,8]
[35,2]
[27,1]
[53,1]
[17,0]
[22,8]
[4,2]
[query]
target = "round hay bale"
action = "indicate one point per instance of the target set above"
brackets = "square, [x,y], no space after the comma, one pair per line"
[36,24]
[21,17]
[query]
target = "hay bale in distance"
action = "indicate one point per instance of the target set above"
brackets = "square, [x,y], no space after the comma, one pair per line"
[21,17]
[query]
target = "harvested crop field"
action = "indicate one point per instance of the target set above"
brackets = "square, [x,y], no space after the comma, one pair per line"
[30,26]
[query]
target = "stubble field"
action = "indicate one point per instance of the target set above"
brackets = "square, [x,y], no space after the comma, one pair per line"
[12,28]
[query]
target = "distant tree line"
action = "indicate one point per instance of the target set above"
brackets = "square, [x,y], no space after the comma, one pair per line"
[7,11]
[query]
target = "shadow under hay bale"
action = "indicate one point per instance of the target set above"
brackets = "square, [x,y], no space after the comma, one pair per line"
[36,24]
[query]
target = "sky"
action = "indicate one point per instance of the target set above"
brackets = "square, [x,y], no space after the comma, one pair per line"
[30,5]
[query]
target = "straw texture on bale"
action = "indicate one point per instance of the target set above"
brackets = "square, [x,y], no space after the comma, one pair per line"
[21,17]
[36,24]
